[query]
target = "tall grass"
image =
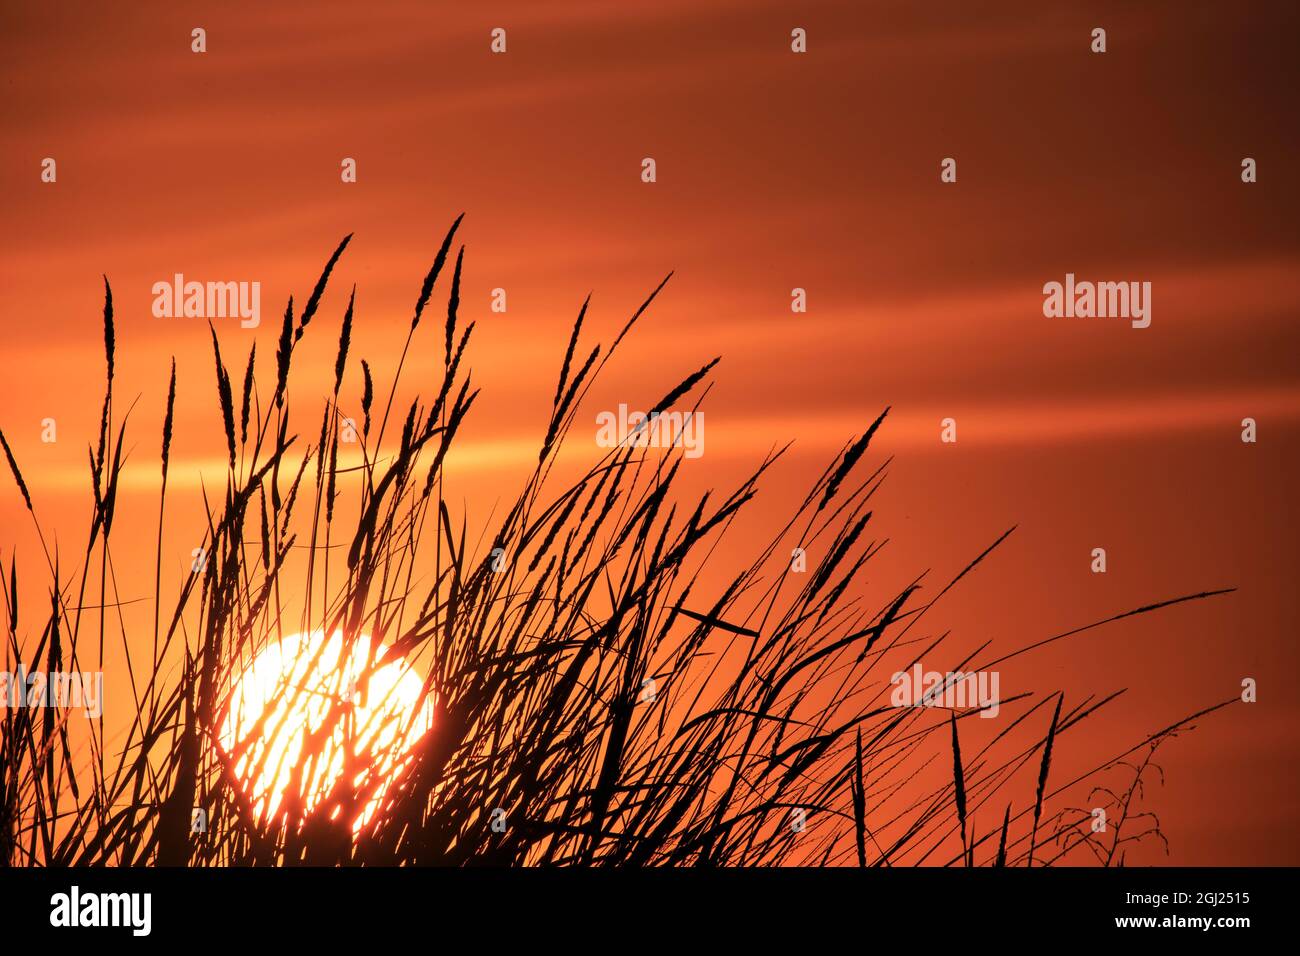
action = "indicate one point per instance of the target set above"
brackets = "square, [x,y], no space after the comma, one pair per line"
[584,683]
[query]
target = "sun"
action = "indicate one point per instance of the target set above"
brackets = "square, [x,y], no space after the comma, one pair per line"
[369,707]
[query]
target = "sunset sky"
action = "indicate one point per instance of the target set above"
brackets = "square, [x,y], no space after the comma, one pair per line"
[775,171]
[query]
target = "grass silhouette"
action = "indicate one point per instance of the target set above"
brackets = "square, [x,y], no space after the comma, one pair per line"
[591,704]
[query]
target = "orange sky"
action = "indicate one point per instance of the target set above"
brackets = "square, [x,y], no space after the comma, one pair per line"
[775,171]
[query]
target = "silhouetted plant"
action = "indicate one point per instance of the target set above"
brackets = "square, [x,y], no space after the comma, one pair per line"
[580,679]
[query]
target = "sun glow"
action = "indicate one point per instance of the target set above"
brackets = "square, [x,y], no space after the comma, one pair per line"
[304,687]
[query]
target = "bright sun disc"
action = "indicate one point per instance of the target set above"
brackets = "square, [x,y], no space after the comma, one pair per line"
[286,695]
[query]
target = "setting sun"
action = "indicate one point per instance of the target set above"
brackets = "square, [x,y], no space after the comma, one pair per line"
[305,687]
